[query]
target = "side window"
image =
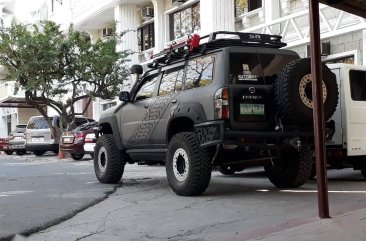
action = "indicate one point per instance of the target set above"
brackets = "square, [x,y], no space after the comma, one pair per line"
[200,72]
[146,90]
[171,82]
[358,85]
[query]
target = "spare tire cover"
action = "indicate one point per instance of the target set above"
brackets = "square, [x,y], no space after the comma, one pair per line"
[293,93]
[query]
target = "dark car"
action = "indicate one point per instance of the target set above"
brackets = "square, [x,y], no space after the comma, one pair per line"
[73,141]
[4,145]
[17,140]
[232,101]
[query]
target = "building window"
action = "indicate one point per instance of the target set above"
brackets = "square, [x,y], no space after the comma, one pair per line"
[185,21]
[145,36]
[245,6]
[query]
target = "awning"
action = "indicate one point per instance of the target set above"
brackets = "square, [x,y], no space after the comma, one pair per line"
[357,7]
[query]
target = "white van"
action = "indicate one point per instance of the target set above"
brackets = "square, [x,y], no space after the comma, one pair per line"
[346,130]
[39,137]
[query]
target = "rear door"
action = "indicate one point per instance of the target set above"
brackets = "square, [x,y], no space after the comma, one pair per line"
[355,103]
[38,131]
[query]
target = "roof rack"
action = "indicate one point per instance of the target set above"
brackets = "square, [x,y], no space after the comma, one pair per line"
[179,50]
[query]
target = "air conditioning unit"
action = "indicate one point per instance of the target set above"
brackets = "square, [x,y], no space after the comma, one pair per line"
[177,2]
[107,32]
[147,13]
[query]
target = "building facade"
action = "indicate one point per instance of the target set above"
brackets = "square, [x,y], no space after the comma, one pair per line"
[156,23]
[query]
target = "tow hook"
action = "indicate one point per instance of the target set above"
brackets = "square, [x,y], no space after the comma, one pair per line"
[296,143]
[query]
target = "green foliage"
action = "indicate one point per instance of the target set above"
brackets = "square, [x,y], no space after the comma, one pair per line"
[59,68]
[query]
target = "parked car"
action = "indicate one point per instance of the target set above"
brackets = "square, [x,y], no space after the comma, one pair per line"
[90,141]
[39,137]
[4,146]
[17,140]
[73,141]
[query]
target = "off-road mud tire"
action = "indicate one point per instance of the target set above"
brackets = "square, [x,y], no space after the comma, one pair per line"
[291,169]
[107,153]
[292,108]
[39,153]
[77,157]
[198,172]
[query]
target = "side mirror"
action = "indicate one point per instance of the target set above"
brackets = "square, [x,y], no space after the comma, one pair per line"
[124,96]
[136,69]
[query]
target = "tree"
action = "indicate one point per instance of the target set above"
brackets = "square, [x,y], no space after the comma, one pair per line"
[58,69]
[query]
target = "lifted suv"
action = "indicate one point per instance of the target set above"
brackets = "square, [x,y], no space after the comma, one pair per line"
[233,101]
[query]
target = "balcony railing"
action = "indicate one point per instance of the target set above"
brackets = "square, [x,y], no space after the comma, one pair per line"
[294,28]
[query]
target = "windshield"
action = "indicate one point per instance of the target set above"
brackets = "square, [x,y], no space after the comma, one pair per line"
[38,123]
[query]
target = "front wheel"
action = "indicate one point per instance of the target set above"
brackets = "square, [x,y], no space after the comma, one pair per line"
[77,157]
[291,168]
[188,167]
[109,162]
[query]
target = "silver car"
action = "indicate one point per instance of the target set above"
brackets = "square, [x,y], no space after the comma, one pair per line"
[39,137]
[17,140]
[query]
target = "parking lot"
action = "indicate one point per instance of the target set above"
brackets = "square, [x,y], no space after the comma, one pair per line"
[143,207]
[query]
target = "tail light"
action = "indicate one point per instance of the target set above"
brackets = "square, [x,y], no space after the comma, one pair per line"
[79,138]
[221,103]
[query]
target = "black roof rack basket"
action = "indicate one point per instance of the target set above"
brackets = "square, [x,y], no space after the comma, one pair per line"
[215,40]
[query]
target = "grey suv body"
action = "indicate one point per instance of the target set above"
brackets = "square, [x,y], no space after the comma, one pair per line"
[219,105]
[17,139]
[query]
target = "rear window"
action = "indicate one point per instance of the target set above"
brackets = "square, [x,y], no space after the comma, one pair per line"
[38,123]
[19,129]
[256,68]
[86,126]
[358,85]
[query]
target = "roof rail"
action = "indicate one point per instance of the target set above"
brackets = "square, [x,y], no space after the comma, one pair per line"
[196,44]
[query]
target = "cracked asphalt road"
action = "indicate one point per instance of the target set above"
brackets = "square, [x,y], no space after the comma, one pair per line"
[238,207]
[37,192]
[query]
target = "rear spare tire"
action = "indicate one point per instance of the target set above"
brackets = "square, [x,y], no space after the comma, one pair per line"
[188,167]
[293,92]
[291,168]
[109,162]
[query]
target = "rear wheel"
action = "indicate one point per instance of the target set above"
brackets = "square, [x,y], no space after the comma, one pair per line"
[39,153]
[291,169]
[77,157]
[8,152]
[20,153]
[109,162]
[188,167]
[363,172]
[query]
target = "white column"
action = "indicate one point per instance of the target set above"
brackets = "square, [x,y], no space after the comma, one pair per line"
[364,47]
[272,12]
[159,26]
[127,19]
[217,15]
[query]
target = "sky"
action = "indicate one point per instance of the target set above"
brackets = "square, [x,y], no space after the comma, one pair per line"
[24,7]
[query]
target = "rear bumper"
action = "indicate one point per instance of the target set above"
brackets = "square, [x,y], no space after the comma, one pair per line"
[41,147]
[72,148]
[213,133]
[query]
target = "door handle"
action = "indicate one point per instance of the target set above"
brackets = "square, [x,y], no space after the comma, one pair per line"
[146,106]
[173,101]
